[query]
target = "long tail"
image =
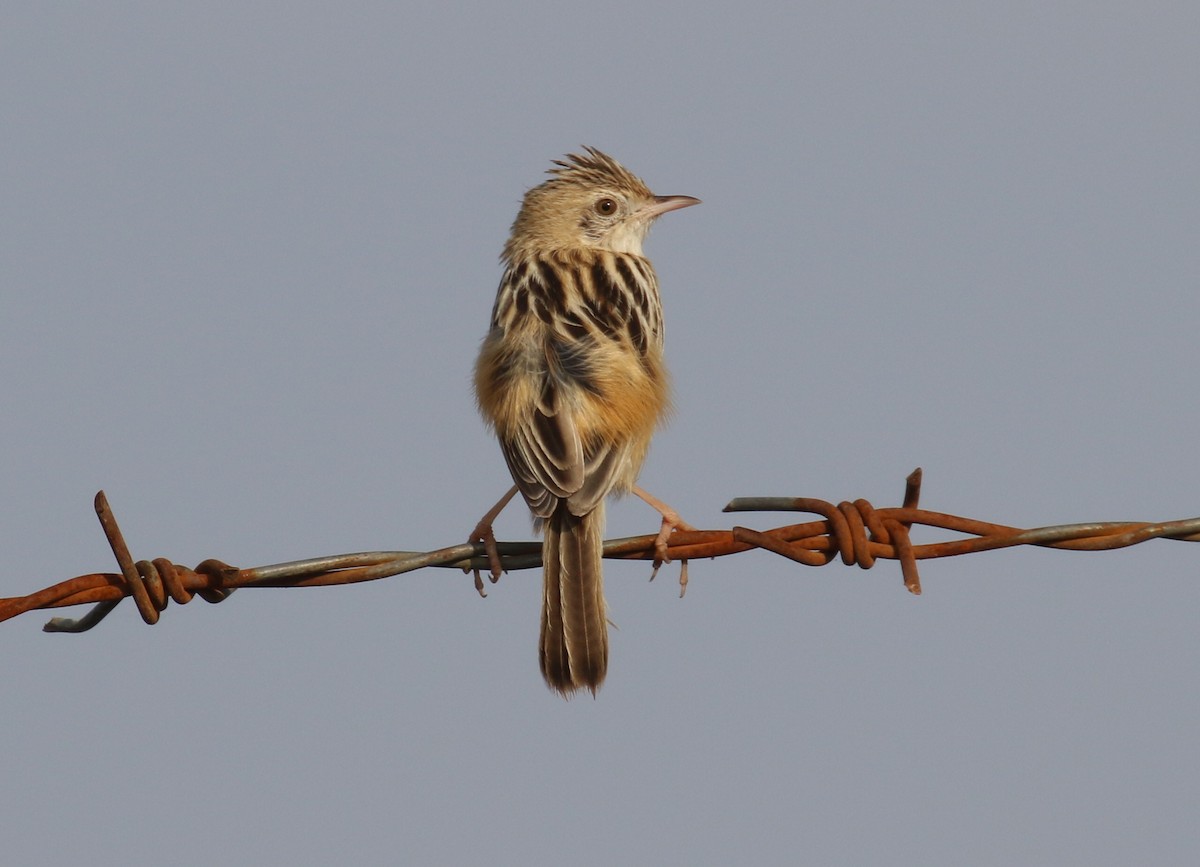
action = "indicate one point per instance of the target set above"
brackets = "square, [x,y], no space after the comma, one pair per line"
[574,644]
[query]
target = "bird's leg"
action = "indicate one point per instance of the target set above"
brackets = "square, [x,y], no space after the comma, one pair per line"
[670,520]
[483,533]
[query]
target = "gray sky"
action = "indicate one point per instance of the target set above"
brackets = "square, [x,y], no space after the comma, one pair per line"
[248,254]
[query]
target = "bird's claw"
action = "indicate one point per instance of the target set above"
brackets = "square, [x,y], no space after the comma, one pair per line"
[662,553]
[483,533]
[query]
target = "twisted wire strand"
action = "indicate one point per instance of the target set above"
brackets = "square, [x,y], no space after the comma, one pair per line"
[855,532]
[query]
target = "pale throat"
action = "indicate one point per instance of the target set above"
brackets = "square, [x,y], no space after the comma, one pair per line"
[626,237]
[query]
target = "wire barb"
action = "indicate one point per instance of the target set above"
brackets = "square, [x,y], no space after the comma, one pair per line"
[856,532]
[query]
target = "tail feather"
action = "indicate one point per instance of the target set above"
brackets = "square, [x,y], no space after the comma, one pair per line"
[574,643]
[556,668]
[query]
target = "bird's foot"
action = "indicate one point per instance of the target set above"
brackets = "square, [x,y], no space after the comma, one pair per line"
[670,522]
[483,533]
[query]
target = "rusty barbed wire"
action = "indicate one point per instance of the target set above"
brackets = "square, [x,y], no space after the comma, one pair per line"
[855,531]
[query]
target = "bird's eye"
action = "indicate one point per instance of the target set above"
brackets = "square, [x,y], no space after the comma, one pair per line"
[606,207]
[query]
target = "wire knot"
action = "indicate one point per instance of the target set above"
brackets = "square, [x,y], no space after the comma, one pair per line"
[151,583]
[853,530]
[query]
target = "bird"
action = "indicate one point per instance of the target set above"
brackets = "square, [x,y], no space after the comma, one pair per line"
[570,377]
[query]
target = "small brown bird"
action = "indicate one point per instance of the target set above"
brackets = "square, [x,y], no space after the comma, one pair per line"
[571,378]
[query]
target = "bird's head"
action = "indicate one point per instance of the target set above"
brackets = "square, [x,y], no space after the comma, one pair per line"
[590,201]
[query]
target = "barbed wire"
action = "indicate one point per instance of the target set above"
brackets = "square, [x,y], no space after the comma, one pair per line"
[856,532]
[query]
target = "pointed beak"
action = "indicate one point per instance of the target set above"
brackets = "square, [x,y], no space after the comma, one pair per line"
[662,204]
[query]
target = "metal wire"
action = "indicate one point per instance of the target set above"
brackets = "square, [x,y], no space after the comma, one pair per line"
[855,531]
